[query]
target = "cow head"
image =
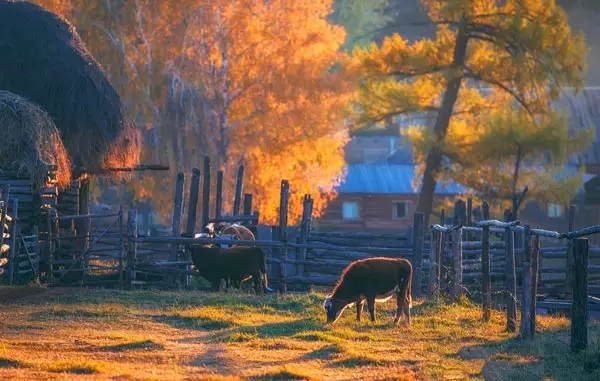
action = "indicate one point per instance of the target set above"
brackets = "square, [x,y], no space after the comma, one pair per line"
[333,308]
[210,230]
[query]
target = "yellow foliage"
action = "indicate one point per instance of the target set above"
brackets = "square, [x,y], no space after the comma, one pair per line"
[262,73]
[519,56]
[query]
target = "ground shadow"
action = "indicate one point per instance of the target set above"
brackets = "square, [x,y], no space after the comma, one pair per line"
[267,330]
[547,356]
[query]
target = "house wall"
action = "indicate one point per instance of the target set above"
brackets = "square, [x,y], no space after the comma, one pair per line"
[376,213]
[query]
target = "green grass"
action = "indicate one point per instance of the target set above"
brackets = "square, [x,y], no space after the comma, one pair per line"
[193,335]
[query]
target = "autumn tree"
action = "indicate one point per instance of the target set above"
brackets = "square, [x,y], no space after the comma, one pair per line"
[362,19]
[522,50]
[245,82]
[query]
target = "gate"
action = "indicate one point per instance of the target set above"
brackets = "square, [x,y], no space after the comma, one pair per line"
[91,254]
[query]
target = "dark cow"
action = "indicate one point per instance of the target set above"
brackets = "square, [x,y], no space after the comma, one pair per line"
[234,263]
[374,280]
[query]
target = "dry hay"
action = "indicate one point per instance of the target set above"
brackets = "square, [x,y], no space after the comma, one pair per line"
[29,141]
[45,61]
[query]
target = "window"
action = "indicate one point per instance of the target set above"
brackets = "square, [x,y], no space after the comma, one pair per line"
[350,211]
[555,210]
[399,209]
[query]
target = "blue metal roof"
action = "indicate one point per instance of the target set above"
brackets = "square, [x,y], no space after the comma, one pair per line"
[384,178]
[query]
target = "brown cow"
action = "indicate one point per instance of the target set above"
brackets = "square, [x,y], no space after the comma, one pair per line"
[374,280]
[224,228]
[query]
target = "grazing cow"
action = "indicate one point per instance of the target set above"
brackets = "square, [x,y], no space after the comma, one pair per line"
[234,263]
[374,280]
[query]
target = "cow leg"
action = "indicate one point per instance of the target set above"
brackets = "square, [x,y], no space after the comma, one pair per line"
[406,307]
[371,306]
[359,308]
[399,308]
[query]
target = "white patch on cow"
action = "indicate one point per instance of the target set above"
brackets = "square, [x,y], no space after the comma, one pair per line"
[327,303]
[388,295]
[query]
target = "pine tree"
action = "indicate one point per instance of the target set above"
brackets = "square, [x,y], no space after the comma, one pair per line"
[522,50]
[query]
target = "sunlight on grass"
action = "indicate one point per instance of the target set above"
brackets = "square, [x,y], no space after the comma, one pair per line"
[76,367]
[193,335]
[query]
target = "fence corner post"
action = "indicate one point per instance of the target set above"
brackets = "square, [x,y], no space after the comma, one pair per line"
[579,318]
[526,274]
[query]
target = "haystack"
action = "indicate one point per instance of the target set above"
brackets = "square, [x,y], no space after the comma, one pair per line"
[45,60]
[29,141]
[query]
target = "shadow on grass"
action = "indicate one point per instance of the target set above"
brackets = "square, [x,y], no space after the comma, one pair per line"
[8,363]
[268,330]
[136,345]
[547,356]
[203,323]
[327,352]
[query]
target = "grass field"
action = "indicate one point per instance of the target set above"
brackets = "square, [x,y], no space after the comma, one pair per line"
[85,334]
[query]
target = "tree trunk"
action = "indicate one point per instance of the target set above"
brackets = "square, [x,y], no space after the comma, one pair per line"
[434,156]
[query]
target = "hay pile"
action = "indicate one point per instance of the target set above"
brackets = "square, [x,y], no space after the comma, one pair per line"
[29,141]
[44,60]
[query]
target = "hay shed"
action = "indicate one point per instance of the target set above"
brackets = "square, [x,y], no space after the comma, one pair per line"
[33,159]
[45,60]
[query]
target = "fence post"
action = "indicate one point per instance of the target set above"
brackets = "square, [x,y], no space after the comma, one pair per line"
[219,195]
[526,275]
[459,219]
[50,248]
[283,221]
[247,211]
[122,233]
[569,265]
[442,269]
[191,219]
[131,246]
[206,192]
[486,284]
[418,242]
[434,269]
[511,281]
[579,317]
[535,260]
[193,203]
[14,249]
[239,186]
[303,237]
[177,209]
